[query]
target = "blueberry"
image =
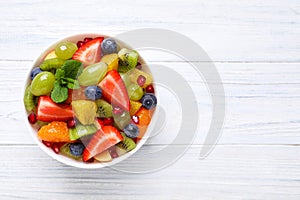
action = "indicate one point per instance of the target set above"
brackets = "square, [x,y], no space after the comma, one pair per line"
[109,46]
[149,101]
[76,149]
[93,92]
[35,71]
[131,130]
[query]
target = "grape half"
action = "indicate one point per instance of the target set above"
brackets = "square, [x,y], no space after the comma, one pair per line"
[135,92]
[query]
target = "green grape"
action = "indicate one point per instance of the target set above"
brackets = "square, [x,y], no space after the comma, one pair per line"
[92,74]
[126,78]
[135,92]
[42,83]
[65,50]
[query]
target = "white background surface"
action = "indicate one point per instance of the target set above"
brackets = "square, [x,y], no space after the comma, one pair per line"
[255,46]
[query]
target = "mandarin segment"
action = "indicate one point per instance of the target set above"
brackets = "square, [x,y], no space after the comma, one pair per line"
[144,116]
[54,132]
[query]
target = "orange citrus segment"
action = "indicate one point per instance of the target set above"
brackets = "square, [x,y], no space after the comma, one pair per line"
[54,132]
[144,116]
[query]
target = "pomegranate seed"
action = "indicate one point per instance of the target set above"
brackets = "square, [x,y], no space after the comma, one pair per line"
[108,121]
[117,110]
[135,119]
[71,123]
[80,43]
[90,160]
[150,89]
[47,144]
[87,39]
[32,118]
[135,139]
[139,66]
[55,147]
[141,80]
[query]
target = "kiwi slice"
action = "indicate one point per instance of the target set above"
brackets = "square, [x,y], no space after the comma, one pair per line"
[104,109]
[80,131]
[29,99]
[65,150]
[53,63]
[127,143]
[127,60]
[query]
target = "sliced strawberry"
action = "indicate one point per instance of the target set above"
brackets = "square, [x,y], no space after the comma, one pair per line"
[90,52]
[114,90]
[102,140]
[48,111]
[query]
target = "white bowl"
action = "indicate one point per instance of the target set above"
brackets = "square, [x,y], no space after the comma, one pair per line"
[68,161]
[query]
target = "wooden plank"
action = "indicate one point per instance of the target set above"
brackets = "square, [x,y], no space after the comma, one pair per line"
[261,103]
[231,172]
[227,30]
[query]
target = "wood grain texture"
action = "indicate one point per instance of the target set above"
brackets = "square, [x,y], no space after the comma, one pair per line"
[227,30]
[231,172]
[255,46]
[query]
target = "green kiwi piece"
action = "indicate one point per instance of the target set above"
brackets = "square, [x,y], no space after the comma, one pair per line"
[127,143]
[41,123]
[104,109]
[53,63]
[29,99]
[81,130]
[127,60]
[65,150]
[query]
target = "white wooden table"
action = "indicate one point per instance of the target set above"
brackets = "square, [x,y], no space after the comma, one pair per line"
[255,46]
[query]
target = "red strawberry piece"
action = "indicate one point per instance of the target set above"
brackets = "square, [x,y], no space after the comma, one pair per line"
[101,140]
[114,90]
[48,111]
[90,52]
[100,122]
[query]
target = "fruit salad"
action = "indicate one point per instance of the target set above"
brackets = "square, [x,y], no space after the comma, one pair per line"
[90,100]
